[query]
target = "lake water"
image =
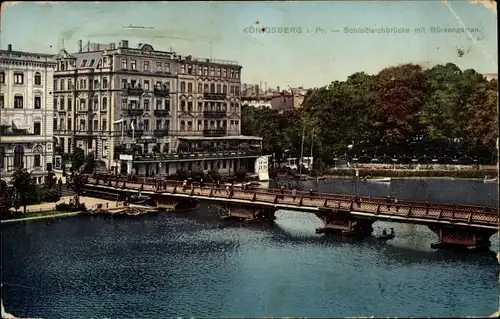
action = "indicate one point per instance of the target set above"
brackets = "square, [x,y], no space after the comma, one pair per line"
[189,264]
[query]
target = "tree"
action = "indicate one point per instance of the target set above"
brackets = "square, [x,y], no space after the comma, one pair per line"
[23,185]
[77,158]
[399,98]
[89,165]
[482,124]
[5,200]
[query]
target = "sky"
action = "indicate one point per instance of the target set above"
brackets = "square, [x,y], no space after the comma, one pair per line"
[323,51]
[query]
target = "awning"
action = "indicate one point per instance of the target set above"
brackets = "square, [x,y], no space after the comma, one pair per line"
[237,137]
[16,125]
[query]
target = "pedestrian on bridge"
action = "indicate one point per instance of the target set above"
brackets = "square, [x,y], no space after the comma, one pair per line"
[311,194]
[294,194]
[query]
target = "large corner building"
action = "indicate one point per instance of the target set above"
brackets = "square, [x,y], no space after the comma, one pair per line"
[26,113]
[175,111]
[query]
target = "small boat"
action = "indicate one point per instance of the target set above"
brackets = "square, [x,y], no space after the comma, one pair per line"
[387,236]
[134,212]
[489,180]
[379,180]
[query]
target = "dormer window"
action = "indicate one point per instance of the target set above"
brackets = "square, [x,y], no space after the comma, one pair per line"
[84,63]
[91,63]
[99,64]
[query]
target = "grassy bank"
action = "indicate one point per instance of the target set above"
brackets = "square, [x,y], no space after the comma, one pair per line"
[476,174]
[36,215]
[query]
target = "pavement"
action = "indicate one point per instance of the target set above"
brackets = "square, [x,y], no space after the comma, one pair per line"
[88,201]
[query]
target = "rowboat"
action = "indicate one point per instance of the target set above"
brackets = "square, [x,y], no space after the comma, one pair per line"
[490,180]
[379,180]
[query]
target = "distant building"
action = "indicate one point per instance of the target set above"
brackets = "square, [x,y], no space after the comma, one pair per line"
[490,76]
[261,102]
[26,81]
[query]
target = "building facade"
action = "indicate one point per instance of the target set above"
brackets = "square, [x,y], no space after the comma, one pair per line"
[26,110]
[170,111]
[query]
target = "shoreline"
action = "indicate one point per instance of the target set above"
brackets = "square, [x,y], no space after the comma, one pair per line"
[38,217]
[327,177]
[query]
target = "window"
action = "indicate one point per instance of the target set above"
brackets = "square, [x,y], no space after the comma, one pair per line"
[37,161]
[84,63]
[55,85]
[167,125]
[82,105]
[200,106]
[205,88]
[200,88]
[224,89]
[146,66]
[146,85]
[145,126]
[124,83]
[133,64]
[205,70]
[124,64]
[237,90]
[91,63]
[183,68]
[158,104]
[218,72]
[231,89]
[190,87]
[38,78]
[104,103]
[236,74]
[158,67]
[183,126]
[37,128]
[96,125]
[190,106]
[104,83]
[167,105]
[38,102]
[62,85]
[219,88]
[158,124]
[1,102]
[69,124]
[200,72]
[61,124]
[18,102]
[2,77]
[146,105]
[69,103]
[231,74]
[104,125]
[54,123]
[167,67]
[124,104]
[190,126]
[19,156]
[212,88]
[99,64]
[96,104]
[82,125]
[133,83]
[183,106]
[224,74]
[190,69]
[70,85]
[183,86]
[18,78]
[212,71]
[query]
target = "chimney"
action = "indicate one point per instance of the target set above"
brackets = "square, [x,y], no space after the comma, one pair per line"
[124,43]
[112,46]
[265,87]
[9,47]
[79,46]
[257,90]
[278,89]
[88,46]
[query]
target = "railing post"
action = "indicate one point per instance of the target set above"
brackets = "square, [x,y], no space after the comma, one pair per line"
[469,219]
[378,210]
[124,186]
[175,189]
[142,187]
[409,212]
[300,201]
[211,192]
[351,206]
[254,197]
[440,213]
[325,203]
[275,201]
[231,193]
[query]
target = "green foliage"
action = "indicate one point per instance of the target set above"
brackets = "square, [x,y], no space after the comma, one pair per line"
[402,111]
[23,185]
[89,163]
[77,158]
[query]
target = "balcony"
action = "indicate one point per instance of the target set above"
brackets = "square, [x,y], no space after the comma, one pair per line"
[218,132]
[214,114]
[135,134]
[161,132]
[214,96]
[135,112]
[161,113]
[161,91]
[202,155]
[134,90]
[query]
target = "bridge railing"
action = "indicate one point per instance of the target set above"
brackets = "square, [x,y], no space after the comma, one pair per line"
[381,200]
[453,213]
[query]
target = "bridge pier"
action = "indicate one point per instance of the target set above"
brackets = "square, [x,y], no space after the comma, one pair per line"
[459,238]
[248,213]
[171,203]
[343,223]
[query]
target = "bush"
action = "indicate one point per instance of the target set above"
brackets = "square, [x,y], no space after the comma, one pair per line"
[64,207]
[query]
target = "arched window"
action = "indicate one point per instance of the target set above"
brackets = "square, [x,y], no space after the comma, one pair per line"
[19,156]
[212,88]
[62,85]
[104,83]
[38,78]
[2,157]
